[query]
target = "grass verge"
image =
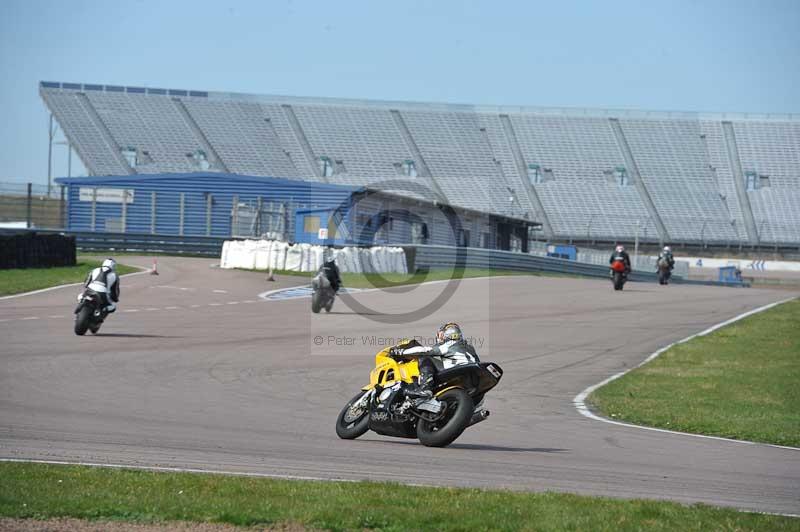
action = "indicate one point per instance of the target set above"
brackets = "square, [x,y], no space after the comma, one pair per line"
[738,382]
[47,491]
[387,280]
[17,281]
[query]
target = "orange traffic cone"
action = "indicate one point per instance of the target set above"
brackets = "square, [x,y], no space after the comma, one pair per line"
[154,271]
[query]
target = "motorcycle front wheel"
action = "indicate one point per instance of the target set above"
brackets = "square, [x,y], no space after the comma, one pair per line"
[316,304]
[82,320]
[451,424]
[352,422]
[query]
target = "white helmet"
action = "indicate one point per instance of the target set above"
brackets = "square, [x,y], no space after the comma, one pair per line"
[667,250]
[619,249]
[109,263]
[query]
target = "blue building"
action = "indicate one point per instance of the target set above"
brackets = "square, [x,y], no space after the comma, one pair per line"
[214,204]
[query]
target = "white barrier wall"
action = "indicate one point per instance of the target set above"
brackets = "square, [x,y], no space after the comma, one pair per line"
[745,264]
[263,254]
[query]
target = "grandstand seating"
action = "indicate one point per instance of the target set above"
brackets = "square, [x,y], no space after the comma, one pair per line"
[478,158]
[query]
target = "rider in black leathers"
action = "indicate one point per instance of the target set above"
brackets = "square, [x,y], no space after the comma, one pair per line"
[332,273]
[621,254]
[666,253]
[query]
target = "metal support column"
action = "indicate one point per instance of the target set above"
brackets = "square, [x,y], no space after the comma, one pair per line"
[153,213]
[209,206]
[28,207]
[94,209]
[124,221]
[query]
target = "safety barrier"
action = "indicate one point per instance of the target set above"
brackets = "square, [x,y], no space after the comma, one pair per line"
[146,243]
[438,257]
[266,254]
[27,249]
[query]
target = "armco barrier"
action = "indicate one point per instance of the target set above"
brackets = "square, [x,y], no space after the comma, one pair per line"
[436,257]
[91,241]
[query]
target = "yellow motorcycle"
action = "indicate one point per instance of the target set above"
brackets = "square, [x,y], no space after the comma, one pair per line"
[383,406]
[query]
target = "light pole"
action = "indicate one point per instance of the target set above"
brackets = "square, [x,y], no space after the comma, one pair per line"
[636,245]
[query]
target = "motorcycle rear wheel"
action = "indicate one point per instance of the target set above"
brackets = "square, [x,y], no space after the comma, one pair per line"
[443,432]
[82,320]
[618,281]
[316,304]
[351,425]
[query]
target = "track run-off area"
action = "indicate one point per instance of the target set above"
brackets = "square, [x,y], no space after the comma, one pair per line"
[196,371]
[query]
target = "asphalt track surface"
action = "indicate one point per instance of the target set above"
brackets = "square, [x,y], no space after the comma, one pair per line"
[196,371]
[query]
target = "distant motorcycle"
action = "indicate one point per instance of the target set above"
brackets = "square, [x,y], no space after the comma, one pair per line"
[90,313]
[664,271]
[323,295]
[383,406]
[618,275]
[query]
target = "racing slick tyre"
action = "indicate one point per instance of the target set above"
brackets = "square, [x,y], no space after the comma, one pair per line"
[618,281]
[451,424]
[352,422]
[82,320]
[316,304]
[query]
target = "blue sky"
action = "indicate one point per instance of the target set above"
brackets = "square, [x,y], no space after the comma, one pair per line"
[736,56]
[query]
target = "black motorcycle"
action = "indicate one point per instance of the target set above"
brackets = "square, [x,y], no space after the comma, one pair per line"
[323,295]
[90,312]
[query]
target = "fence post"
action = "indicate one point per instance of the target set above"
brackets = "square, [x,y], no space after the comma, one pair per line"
[153,212]
[94,209]
[209,202]
[61,210]
[124,209]
[259,205]
[180,213]
[28,207]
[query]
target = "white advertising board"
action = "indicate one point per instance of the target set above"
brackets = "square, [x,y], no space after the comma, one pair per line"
[106,195]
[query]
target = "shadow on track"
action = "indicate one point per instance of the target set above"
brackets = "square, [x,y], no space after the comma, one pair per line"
[127,335]
[480,447]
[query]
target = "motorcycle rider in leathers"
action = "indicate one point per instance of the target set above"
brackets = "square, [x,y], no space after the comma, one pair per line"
[104,281]
[451,349]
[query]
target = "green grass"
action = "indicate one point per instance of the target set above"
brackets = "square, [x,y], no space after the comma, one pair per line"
[387,280]
[17,281]
[49,491]
[739,382]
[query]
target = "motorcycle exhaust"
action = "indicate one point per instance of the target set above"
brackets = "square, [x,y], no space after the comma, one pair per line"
[477,417]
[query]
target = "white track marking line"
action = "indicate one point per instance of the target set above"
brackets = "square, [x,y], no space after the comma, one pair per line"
[171,308]
[265,295]
[30,318]
[220,291]
[168,469]
[215,304]
[131,310]
[57,316]
[194,306]
[63,286]
[580,400]
[151,309]
[233,302]
[249,301]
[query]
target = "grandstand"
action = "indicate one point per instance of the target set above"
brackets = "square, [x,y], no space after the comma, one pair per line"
[584,174]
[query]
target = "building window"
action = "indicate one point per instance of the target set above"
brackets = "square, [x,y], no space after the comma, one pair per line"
[326,166]
[339,167]
[486,240]
[750,181]
[199,159]
[621,176]
[534,174]
[419,233]
[409,168]
[129,153]
[763,181]
[311,224]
